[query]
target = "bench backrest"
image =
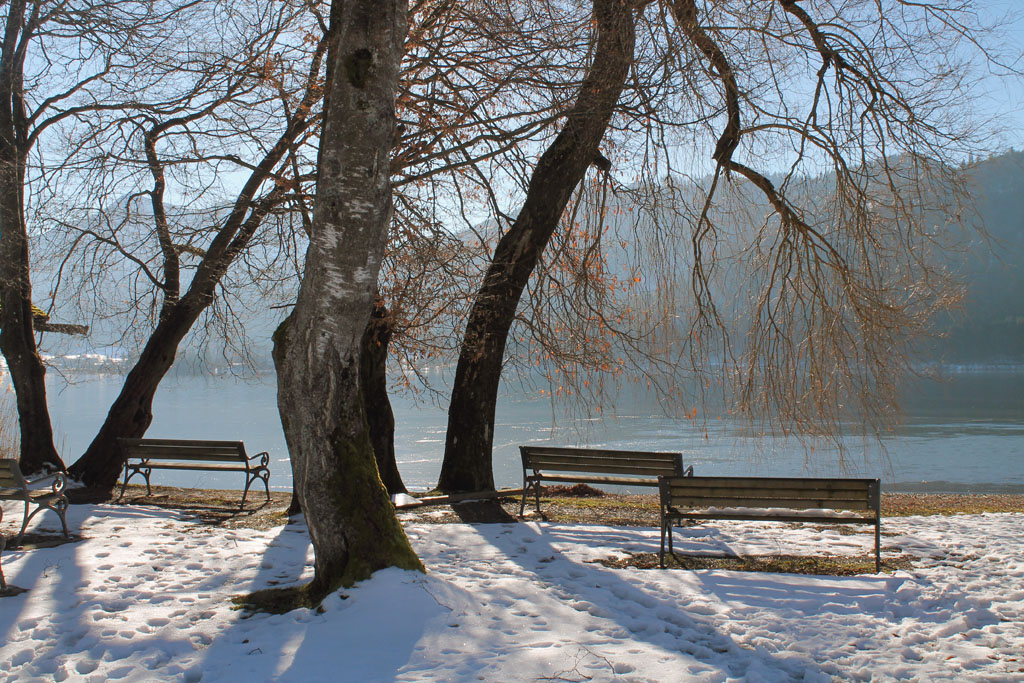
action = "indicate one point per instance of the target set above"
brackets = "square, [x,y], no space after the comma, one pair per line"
[179,449]
[601,461]
[10,475]
[770,492]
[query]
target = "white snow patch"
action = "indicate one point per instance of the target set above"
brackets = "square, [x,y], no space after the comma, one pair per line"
[146,596]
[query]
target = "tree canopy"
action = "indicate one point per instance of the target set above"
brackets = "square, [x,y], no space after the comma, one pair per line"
[717,199]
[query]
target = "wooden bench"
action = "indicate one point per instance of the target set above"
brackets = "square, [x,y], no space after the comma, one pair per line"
[772,499]
[595,466]
[14,487]
[141,456]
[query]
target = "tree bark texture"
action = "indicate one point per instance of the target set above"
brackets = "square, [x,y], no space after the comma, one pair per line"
[317,350]
[379,416]
[467,464]
[17,337]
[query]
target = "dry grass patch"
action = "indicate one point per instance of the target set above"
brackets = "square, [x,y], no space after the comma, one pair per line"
[832,565]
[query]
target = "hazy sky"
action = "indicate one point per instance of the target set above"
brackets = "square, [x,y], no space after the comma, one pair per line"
[1005,97]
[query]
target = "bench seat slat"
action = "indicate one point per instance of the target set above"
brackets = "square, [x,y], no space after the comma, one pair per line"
[33,494]
[543,460]
[188,443]
[763,502]
[652,472]
[542,451]
[564,460]
[183,455]
[582,479]
[212,466]
[726,492]
[818,519]
[773,483]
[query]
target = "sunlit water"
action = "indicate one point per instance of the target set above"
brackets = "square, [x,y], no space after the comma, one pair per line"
[966,433]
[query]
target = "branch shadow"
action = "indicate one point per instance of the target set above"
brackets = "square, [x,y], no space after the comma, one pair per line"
[93,618]
[339,640]
[645,612]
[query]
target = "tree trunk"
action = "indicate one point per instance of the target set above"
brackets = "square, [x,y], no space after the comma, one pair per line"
[379,416]
[467,462]
[317,350]
[17,338]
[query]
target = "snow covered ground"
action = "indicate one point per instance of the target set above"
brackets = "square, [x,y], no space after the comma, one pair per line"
[146,597]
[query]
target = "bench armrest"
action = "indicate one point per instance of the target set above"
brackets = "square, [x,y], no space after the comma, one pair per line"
[264,458]
[60,481]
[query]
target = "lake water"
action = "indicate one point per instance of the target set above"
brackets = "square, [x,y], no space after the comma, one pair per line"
[963,434]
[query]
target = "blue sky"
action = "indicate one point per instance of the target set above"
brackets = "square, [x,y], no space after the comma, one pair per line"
[1005,94]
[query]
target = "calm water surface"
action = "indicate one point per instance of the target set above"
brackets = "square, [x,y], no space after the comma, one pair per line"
[966,433]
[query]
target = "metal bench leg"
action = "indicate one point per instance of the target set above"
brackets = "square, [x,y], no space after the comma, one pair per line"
[127,477]
[667,531]
[249,478]
[61,510]
[60,507]
[878,547]
[661,551]
[124,484]
[24,523]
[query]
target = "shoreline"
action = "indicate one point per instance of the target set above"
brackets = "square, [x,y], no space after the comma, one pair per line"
[220,506]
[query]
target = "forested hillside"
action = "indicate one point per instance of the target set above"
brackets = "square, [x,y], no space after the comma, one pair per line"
[990,325]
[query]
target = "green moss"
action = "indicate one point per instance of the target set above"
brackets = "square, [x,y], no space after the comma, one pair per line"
[378,541]
[279,600]
[38,314]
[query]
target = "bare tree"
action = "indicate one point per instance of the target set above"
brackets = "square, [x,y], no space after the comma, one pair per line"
[474,86]
[59,60]
[318,348]
[467,464]
[806,286]
[236,109]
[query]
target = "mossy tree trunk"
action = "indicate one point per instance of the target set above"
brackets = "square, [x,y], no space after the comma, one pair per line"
[17,337]
[380,418]
[467,464]
[318,349]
